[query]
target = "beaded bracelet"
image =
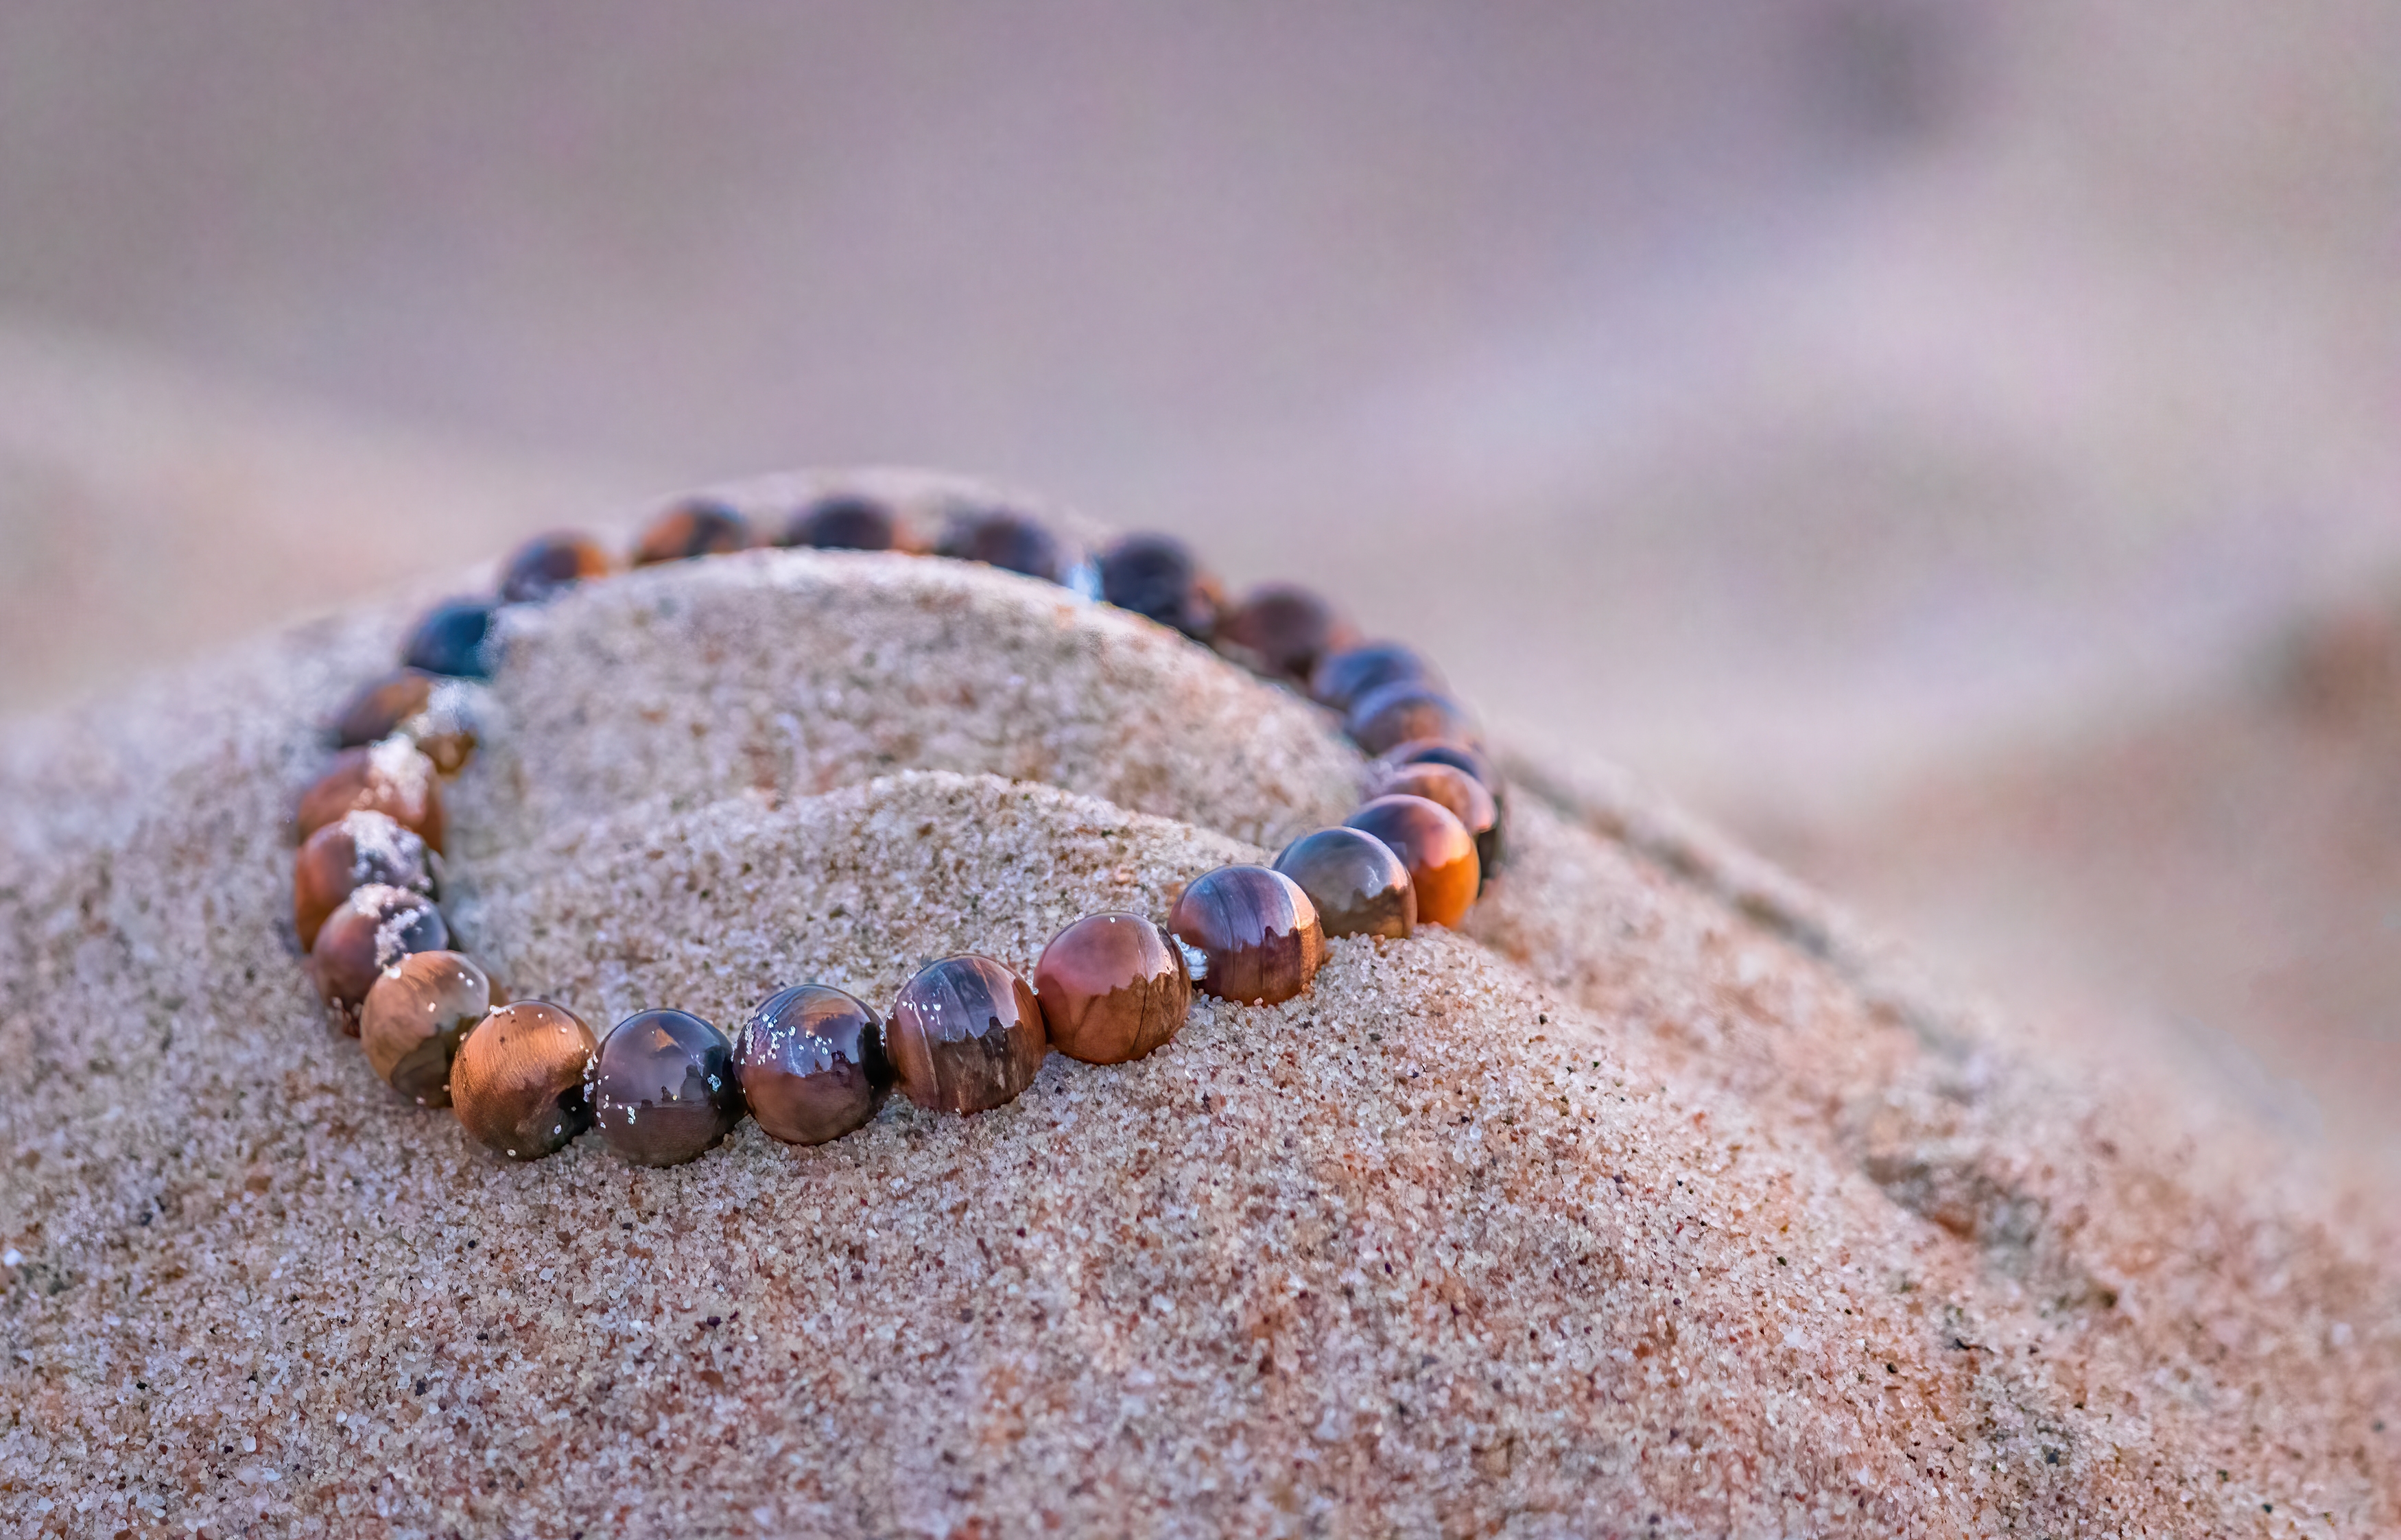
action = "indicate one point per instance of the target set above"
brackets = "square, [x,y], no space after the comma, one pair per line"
[966,1033]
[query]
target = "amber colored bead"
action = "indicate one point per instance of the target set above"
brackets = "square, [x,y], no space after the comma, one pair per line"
[349,854]
[1463,794]
[414,1018]
[1359,886]
[967,1034]
[519,1082]
[1283,630]
[547,564]
[372,930]
[1009,541]
[844,523]
[1257,931]
[377,710]
[393,777]
[812,1064]
[454,637]
[1437,849]
[1344,678]
[1113,987]
[1397,712]
[663,1089]
[1156,575]
[696,529]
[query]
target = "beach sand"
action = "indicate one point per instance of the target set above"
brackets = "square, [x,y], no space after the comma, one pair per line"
[1660,1200]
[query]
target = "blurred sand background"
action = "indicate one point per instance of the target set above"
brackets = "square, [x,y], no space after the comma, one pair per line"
[1952,443]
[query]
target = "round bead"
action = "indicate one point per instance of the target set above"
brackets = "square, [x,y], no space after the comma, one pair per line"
[1407,708]
[377,710]
[1359,886]
[353,851]
[1113,987]
[1463,794]
[391,777]
[414,1018]
[1343,678]
[1009,541]
[1450,751]
[518,1085]
[546,564]
[663,1089]
[454,637]
[1258,931]
[967,1034]
[1283,630]
[812,1064]
[1156,575]
[844,523]
[695,528]
[373,930]
[1436,848]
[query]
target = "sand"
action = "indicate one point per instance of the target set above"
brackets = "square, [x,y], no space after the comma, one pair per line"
[1663,1200]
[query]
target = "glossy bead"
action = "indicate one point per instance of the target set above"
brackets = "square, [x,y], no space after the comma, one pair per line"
[1156,575]
[1281,630]
[415,1017]
[376,712]
[695,528]
[967,1034]
[518,1082]
[393,777]
[844,523]
[1009,541]
[374,927]
[1359,886]
[353,851]
[663,1089]
[453,638]
[1397,712]
[812,1064]
[1343,678]
[1463,794]
[1113,987]
[547,564]
[1257,931]
[1451,751]
[1435,847]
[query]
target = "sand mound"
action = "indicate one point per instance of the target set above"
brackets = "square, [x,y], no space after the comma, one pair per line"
[1657,1203]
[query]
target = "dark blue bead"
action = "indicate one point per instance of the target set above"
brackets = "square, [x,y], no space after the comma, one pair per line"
[452,640]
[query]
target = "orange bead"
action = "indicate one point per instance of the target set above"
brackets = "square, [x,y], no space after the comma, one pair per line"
[1463,794]
[1113,987]
[393,777]
[695,528]
[547,564]
[1436,848]
[518,1083]
[1388,716]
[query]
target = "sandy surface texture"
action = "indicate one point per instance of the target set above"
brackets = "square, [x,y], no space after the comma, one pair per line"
[1657,1202]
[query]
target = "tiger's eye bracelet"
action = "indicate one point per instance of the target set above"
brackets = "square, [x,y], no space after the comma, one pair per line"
[966,1033]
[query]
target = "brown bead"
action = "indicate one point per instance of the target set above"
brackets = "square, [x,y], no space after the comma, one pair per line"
[374,927]
[547,564]
[393,777]
[1343,678]
[376,712]
[1258,931]
[1281,630]
[518,1083]
[812,1064]
[1463,794]
[1009,541]
[1156,575]
[1113,987]
[1394,714]
[967,1034]
[1437,849]
[1451,751]
[355,850]
[1359,886]
[415,1019]
[663,1089]
[844,523]
[695,528]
